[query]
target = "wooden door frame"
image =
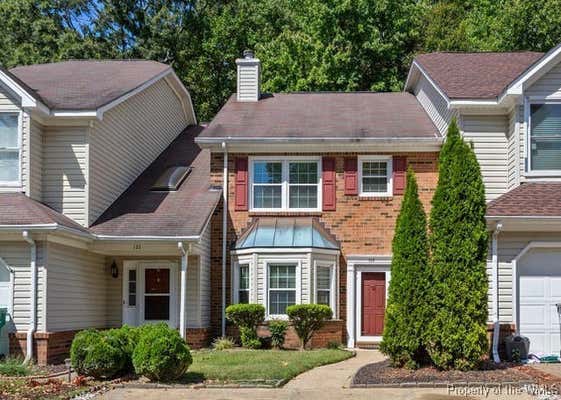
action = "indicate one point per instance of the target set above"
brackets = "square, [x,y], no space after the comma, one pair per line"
[358,285]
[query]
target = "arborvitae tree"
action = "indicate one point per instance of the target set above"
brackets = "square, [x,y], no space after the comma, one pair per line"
[406,314]
[456,336]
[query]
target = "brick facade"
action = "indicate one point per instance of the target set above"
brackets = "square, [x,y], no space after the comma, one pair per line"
[361,225]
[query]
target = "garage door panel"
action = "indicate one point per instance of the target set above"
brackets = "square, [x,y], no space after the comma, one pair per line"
[532,287]
[532,316]
[556,288]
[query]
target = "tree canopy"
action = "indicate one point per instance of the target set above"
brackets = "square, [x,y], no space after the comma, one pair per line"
[339,45]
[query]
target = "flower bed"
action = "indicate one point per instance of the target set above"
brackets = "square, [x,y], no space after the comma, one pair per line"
[383,374]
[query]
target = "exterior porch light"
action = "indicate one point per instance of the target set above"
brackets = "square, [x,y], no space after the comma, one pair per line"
[114,270]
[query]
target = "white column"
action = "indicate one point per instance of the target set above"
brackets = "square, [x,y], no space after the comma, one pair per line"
[183,291]
[351,312]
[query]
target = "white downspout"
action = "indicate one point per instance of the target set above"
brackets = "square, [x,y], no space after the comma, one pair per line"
[495,261]
[33,299]
[224,234]
[183,291]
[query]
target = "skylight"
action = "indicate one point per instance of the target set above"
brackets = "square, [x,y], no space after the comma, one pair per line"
[171,178]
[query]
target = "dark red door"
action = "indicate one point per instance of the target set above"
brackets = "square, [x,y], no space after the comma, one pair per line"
[373,303]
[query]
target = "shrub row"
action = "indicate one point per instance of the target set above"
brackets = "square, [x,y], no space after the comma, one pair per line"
[154,351]
[306,319]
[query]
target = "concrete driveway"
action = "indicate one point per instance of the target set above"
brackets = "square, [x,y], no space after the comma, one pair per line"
[330,382]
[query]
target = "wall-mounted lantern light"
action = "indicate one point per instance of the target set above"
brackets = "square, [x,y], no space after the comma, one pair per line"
[114,270]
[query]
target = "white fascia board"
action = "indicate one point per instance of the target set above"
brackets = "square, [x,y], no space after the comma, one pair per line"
[27,100]
[75,114]
[194,238]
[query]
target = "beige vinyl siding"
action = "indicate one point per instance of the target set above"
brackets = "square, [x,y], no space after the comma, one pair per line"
[77,289]
[64,171]
[434,104]
[17,255]
[510,244]
[488,133]
[36,160]
[548,86]
[128,139]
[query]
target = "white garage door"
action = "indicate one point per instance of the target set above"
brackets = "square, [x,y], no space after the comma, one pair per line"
[539,292]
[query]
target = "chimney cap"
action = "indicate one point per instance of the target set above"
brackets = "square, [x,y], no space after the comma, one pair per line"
[248,54]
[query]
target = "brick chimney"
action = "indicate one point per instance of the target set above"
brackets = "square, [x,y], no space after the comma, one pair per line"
[249,69]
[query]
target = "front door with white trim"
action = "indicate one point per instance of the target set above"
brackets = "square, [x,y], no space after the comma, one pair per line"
[150,293]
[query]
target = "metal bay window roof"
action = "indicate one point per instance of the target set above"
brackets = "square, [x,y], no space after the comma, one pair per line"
[286,232]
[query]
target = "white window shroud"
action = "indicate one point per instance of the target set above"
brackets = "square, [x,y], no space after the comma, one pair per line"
[375,176]
[544,136]
[283,286]
[325,284]
[10,148]
[278,183]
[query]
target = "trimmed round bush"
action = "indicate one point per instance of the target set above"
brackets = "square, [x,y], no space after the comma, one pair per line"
[308,318]
[97,354]
[161,354]
[247,318]
[125,338]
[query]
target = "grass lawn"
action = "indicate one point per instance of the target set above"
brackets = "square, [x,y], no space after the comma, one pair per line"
[247,365]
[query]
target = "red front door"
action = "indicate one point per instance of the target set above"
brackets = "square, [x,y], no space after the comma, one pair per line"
[373,303]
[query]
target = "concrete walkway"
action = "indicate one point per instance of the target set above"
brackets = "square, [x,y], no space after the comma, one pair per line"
[330,382]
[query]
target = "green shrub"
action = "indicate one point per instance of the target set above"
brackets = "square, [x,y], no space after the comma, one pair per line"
[408,311]
[278,330]
[14,366]
[79,348]
[97,354]
[247,318]
[223,343]
[161,354]
[456,336]
[125,338]
[308,318]
[334,345]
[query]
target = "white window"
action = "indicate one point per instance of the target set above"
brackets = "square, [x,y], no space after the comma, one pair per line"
[285,184]
[281,288]
[324,285]
[243,283]
[375,176]
[545,137]
[10,148]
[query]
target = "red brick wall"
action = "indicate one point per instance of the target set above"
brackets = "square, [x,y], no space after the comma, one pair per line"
[362,226]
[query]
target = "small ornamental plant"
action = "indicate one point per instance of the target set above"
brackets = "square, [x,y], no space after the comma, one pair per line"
[161,354]
[247,318]
[278,330]
[307,319]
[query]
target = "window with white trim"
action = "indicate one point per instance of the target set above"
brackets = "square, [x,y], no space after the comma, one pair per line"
[10,151]
[285,184]
[324,285]
[243,283]
[282,288]
[375,176]
[545,137]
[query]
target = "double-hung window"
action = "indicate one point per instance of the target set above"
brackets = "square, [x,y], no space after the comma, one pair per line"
[323,285]
[10,151]
[285,184]
[375,176]
[545,137]
[282,288]
[243,283]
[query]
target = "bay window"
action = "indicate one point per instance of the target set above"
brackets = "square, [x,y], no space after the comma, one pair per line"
[324,285]
[375,174]
[281,287]
[285,184]
[10,151]
[545,137]
[243,283]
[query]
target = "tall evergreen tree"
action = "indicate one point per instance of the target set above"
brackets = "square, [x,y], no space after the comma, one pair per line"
[406,314]
[456,336]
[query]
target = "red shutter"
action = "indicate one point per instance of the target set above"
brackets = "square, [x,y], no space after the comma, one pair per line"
[328,180]
[399,169]
[241,184]
[351,176]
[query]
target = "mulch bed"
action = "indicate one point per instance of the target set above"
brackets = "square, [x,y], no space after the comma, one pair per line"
[382,373]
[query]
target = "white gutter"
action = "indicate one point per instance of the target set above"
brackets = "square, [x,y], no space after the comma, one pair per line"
[391,140]
[33,298]
[224,234]
[183,293]
[495,262]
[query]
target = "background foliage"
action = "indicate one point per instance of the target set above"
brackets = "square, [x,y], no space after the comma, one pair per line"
[303,44]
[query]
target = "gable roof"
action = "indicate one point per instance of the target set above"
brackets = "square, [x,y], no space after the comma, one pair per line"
[18,210]
[322,115]
[86,84]
[478,76]
[528,200]
[139,211]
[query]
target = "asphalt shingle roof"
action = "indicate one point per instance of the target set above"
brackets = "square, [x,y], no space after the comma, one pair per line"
[528,200]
